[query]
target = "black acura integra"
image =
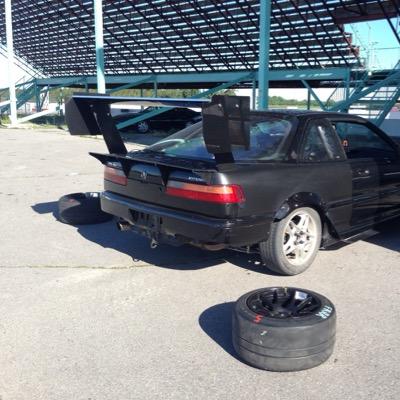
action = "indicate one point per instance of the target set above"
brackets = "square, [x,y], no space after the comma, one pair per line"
[282,183]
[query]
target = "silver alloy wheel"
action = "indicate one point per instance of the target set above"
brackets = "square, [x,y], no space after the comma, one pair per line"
[300,238]
[143,127]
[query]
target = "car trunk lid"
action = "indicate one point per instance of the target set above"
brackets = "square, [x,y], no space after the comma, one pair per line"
[190,185]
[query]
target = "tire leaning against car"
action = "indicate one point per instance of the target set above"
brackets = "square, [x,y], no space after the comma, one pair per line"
[81,209]
[283,329]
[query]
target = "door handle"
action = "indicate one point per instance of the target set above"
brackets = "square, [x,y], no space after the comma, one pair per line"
[388,160]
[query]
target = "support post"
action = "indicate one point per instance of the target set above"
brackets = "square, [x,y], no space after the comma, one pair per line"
[253,94]
[37,97]
[44,97]
[308,99]
[263,54]
[11,66]
[98,30]
[313,94]
[347,90]
[348,78]
[155,87]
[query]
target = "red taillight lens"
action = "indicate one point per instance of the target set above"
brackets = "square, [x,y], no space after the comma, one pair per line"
[211,193]
[115,175]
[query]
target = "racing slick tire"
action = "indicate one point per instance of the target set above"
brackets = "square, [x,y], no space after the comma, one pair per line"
[81,209]
[283,328]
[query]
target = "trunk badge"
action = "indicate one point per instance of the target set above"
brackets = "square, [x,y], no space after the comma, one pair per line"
[143,175]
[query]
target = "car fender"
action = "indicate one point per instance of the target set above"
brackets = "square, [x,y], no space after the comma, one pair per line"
[302,199]
[313,200]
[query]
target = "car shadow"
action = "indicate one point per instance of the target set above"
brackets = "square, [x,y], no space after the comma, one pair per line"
[191,258]
[216,322]
[138,247]
[188,257]
[46,208]
[387,235]
[185,257]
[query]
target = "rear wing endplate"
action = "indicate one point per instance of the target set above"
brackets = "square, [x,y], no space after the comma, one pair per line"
[225,120]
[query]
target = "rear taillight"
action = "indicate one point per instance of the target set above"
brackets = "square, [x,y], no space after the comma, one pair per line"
[115,175]
[211,193]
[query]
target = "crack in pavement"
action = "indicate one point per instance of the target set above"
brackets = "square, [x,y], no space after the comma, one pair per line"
[100,267]
[75,267]
[50,176]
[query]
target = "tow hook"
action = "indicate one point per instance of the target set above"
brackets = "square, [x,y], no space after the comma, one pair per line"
[153,243]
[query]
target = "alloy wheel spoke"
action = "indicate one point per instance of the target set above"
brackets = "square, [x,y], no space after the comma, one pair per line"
[304,222]
[289,246]
[299,238]
[292,228]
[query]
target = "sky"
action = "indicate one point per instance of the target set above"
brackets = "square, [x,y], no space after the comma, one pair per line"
[377,42]
[378,45]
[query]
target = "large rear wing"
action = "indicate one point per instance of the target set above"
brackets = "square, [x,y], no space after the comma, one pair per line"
[225,119]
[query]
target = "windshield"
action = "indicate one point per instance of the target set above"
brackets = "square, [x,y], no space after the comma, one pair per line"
[268,138]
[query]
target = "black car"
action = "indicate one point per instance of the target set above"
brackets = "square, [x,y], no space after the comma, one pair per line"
[176,118]
[281,183]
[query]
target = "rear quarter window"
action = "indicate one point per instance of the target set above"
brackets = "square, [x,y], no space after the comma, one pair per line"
[321,143]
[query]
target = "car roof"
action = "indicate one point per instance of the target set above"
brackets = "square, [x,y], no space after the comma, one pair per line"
[310,113]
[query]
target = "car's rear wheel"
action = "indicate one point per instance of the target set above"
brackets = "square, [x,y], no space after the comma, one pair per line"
[293,242]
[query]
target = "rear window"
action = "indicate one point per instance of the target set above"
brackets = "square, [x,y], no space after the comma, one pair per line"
[268,139]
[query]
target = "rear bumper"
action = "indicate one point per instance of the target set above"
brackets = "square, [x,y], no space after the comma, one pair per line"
[184,226]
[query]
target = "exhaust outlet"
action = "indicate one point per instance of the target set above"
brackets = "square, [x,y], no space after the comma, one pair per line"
[123,226]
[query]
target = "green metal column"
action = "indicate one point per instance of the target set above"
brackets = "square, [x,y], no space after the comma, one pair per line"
[37,96]
[263,55]
[11,66]
[155,87]
[348,79]
[347,90]
[98,30]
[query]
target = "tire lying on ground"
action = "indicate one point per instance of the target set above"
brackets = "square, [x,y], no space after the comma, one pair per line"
[81,209]
[283,328]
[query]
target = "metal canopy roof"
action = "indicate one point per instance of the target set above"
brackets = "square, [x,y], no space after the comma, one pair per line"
[142,37]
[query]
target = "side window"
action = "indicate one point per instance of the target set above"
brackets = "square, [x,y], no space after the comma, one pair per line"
[321,143]
[360,142]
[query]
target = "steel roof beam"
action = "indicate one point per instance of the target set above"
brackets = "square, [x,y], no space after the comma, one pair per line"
[325,74]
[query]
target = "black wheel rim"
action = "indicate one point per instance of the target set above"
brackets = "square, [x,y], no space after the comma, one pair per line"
[283,302]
